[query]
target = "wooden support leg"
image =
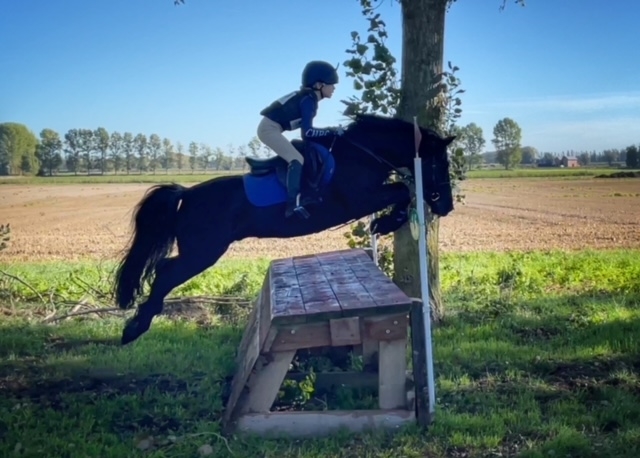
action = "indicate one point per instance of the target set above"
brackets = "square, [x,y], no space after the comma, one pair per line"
[265,383]
[369,351]
[392,373]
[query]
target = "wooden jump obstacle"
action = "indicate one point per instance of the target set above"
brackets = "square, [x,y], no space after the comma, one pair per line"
[332,299]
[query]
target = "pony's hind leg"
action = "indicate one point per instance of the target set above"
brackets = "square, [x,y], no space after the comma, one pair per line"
[171,273]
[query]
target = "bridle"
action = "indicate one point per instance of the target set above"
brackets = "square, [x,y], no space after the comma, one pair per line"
[406,177]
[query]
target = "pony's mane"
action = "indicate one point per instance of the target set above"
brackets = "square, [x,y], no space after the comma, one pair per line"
[378,122]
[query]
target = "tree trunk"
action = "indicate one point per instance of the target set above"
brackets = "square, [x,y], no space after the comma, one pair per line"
[422,56]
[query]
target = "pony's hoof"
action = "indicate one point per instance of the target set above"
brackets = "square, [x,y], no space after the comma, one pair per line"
[132,330]
[385,225]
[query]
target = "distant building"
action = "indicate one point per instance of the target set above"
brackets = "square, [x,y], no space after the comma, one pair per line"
[569,161]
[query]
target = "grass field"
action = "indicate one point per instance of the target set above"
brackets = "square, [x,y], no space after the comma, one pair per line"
[539,355]
[185,177]
[112,179]
[542,172]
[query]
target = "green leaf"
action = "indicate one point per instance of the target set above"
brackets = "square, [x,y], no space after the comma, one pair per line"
[362,49]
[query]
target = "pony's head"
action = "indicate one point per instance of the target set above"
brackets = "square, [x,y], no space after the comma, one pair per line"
[393,142]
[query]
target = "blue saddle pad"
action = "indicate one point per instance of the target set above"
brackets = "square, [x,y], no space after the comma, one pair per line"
[266,190]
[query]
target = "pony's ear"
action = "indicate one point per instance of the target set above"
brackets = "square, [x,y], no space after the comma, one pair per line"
[448,140]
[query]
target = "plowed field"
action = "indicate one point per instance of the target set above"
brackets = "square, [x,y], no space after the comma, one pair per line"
[92,221]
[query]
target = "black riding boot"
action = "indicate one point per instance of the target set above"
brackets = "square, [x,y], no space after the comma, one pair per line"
[294,174]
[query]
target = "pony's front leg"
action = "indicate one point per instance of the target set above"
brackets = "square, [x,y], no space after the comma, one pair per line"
[392,221]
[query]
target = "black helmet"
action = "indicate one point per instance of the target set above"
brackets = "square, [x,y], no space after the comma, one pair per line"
[319,71]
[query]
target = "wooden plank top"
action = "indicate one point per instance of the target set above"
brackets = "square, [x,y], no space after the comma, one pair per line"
[330,285]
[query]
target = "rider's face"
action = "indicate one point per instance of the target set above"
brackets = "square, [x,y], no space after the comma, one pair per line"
[327,90]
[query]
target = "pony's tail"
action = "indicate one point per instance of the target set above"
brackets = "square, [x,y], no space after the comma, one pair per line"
[152,240]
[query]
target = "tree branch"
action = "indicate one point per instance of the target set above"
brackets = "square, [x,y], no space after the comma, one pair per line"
[20,280]
[53,318]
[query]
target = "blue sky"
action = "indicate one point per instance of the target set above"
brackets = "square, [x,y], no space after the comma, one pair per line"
[567,71]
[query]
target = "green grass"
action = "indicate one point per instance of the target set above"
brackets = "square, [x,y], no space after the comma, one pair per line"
[566,173]
[113,179]
[539,356]
[69,281]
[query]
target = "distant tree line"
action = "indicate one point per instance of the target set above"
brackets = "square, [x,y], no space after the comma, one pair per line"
[629,156]
[96,151]
[509,152]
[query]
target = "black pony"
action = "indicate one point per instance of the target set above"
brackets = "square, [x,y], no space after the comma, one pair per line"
[206,218]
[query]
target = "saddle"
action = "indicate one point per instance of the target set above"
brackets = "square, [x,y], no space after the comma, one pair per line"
[313,168]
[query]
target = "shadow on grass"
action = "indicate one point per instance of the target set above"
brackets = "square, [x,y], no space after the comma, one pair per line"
[185,367]
[75,379]
[555,376]
[552,377]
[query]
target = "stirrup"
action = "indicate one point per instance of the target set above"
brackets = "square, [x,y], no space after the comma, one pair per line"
[298,209]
